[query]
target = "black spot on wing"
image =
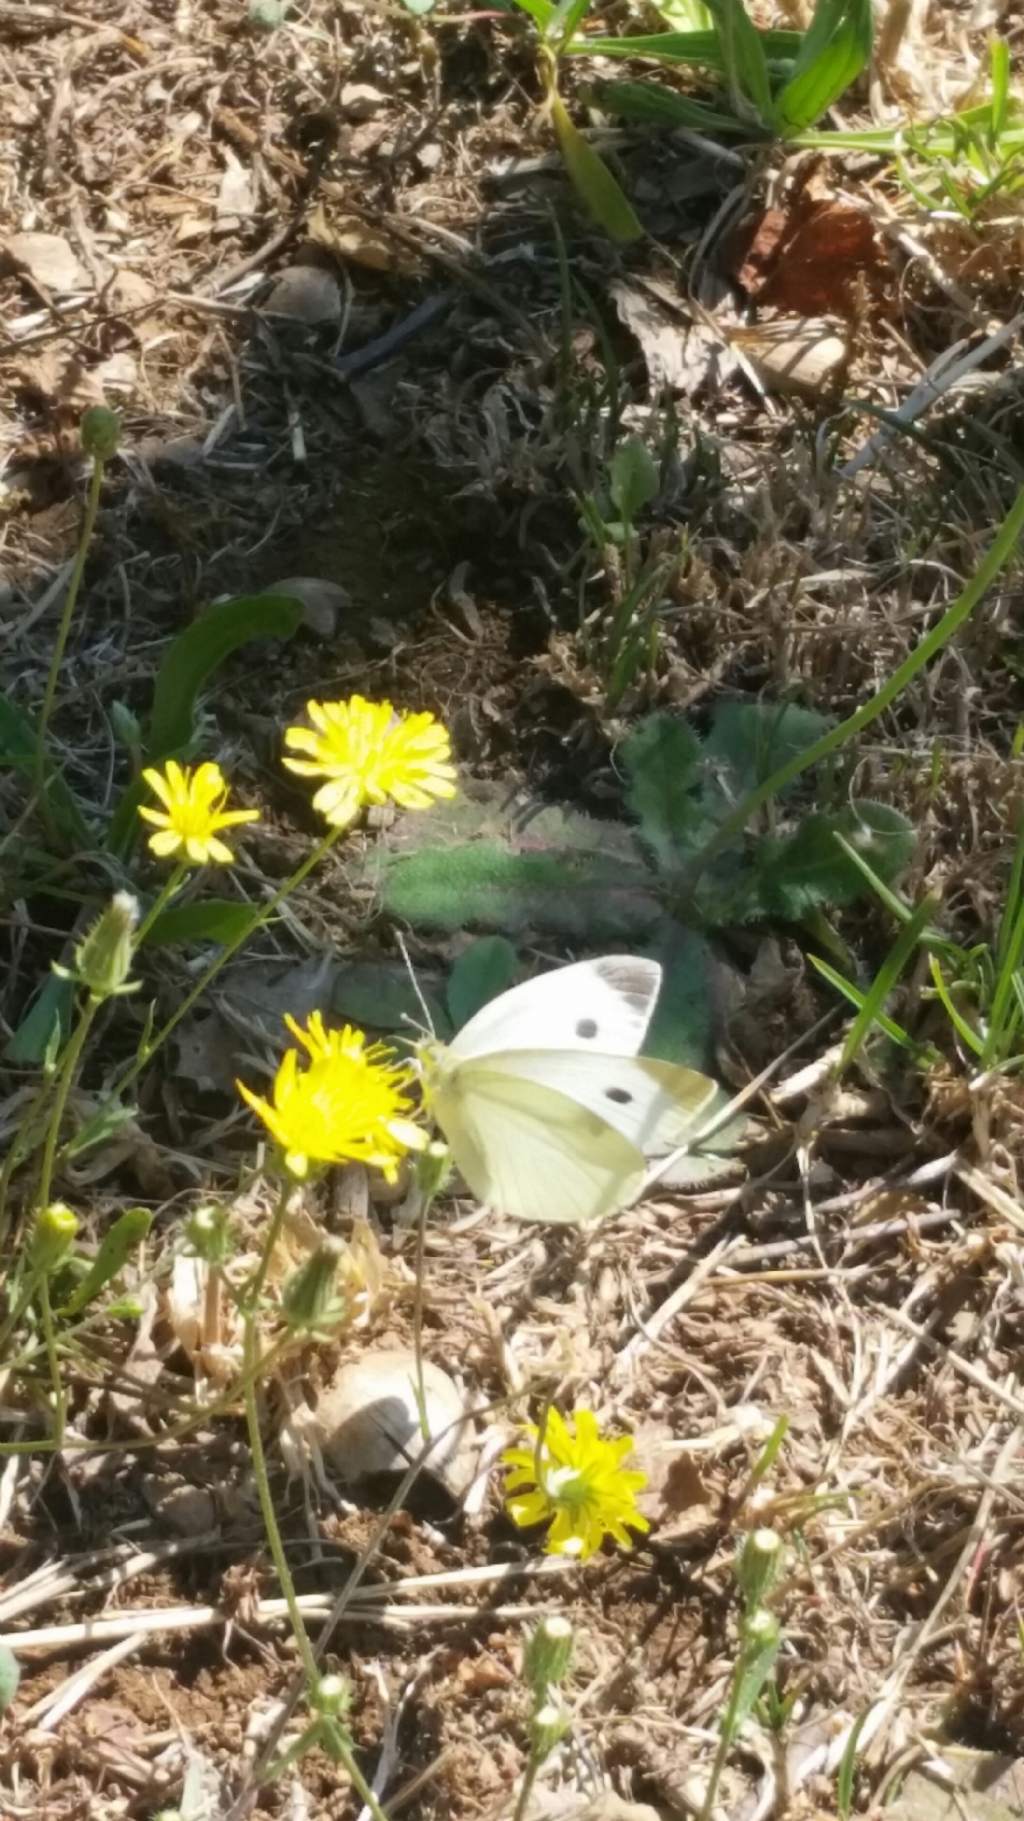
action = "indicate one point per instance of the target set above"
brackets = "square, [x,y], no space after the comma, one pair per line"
[621,1096]
[586,1027]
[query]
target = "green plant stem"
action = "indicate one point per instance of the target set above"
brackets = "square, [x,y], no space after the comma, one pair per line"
[997,555]
[161,902]
[60,1402]
[426,1203]
[252,1364]
[66,1071]
[18,1149]
[92,506]
[230,949]
[526,1787]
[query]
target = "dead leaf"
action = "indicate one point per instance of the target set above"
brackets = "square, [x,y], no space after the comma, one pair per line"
[805,355]
[236,197]
[48,259]
[350,237]
[816,256]
[360,100]
[679,356]
[322,602]
[983,1785]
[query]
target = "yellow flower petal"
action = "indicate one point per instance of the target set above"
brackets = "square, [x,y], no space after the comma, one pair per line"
[193,812]
[578,1485]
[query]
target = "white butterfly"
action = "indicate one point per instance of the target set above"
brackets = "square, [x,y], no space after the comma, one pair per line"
[546,1106]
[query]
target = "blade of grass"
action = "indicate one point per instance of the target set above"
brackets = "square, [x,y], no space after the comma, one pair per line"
[702,48]
[743,60]
[883,983]
[856,998]
[836,48]
[965,1031]
[593,181]
[651,105]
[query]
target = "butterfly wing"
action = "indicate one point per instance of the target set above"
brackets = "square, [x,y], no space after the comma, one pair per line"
[655,1105]
[530,1151]
[592,1005]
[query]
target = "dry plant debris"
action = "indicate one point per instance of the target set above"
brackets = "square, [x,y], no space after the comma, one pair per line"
[313,267]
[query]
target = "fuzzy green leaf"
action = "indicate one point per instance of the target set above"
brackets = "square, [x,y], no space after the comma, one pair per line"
[743,59]
[589,897]
[661,759]
[116,1247]
[683,1027]
[485,969]
[748,741]
[633,478]
[10,1676]
[45,1024]
[808,868]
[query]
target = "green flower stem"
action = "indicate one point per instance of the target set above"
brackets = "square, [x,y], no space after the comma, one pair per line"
[355,1775]
[20,1147]
[996,557]
[230,949]
[426,1203]
[92,506]
[253,1365]
[253,1290]
[161,902]
[526,1786]
[59,1395]
[66,1072]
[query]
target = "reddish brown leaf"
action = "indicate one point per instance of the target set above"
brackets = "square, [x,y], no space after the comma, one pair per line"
[817,258]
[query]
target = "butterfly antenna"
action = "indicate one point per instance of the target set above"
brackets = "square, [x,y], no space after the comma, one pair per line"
[411,971]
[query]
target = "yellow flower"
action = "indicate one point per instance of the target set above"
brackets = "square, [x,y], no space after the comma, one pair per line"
[348,1104]
[368,753]
[193,813]
[576,1480]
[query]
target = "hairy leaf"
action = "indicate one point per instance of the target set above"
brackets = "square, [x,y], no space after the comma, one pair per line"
[10,1676]
[45,1024]
[633,478]
[684,1023]
[807,868]
[483,971]
[661,759]
[749,740]
[586,896]
[743,59]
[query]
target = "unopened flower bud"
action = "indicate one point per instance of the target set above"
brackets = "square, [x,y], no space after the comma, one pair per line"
[100,431]
[549,1724]
[307,1301]
[332,1695]
[54,1233]
[103,958]
[547,1656]
[432,1168]
[208,1234]
[759,1566]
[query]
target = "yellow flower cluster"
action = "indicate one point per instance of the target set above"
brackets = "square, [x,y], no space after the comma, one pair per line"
[343,1099]
[575,1480]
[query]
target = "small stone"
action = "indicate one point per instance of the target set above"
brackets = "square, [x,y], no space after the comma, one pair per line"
[306,294]
[360,100]
[49,259]
[366,1421]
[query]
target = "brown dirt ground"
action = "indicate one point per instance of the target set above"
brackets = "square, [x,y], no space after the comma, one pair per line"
[436,489]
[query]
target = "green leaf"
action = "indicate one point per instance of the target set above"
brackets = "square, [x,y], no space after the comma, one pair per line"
[749,740]
[743,60]
[116,1246]
[47,1021]
[189,661]
[211,920]
[661,759]
[593,181]
[633,479]
[380,996]
[685,47]
[483,971]
[808,867]
[540,11]
[651,105]
[586,896]
[18,753]
[836,48]
[685,15]
[10,1676]
[198,651]
[683,1027]
[103,1126]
